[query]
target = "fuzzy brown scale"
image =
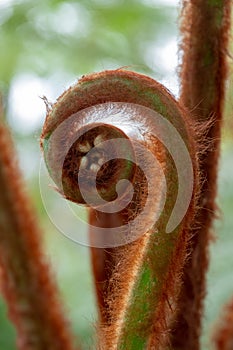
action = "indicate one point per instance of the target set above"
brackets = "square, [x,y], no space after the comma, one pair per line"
[133,209]
[86,165]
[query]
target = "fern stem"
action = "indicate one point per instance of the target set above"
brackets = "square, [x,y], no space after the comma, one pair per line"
[103,262]
[26,281]
[205,29]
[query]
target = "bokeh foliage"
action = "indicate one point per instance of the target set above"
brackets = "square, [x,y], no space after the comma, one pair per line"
[77,37]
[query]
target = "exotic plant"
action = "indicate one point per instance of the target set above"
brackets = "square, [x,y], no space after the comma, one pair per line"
[145,166]
[88,152]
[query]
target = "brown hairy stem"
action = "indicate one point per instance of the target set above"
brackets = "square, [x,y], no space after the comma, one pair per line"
[103,261]
[205,30]
[223,337]
[33,304]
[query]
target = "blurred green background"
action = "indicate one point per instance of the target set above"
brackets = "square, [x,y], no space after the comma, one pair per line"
[44,47]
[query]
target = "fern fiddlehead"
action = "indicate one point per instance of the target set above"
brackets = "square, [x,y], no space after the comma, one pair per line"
[119,142]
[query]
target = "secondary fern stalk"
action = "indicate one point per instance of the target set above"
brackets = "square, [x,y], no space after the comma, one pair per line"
[26,281]
[142,289]
[205,29]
